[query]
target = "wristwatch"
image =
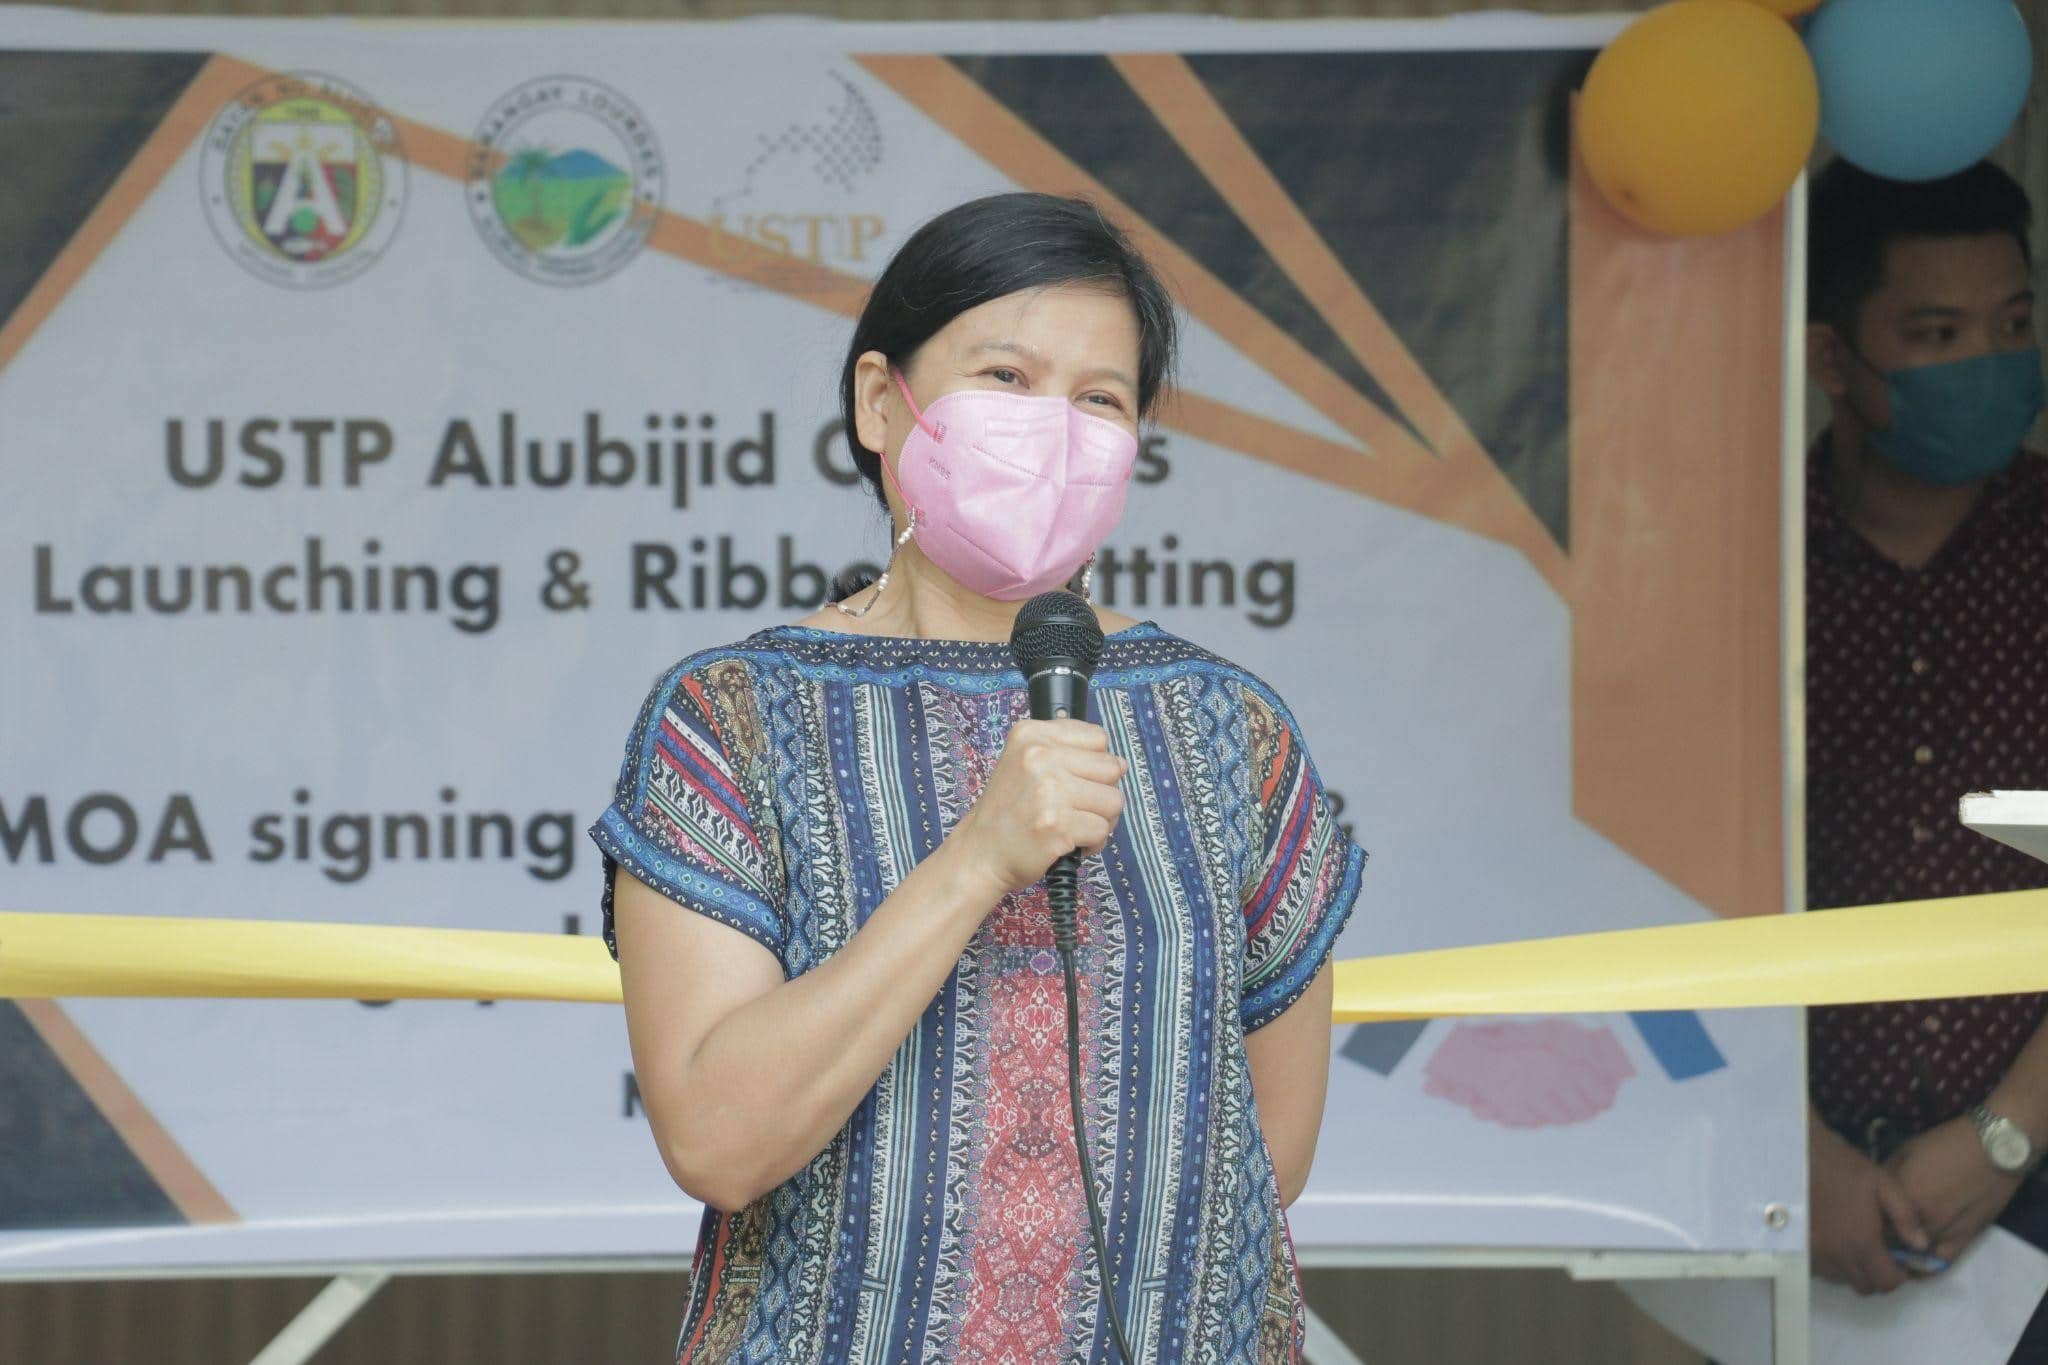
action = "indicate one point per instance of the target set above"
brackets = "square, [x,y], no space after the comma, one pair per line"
[2005,1142]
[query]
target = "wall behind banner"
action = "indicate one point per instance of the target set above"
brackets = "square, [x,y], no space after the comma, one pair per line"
[306,848]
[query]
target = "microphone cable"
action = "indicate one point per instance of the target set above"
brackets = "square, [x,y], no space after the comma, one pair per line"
[1060,888]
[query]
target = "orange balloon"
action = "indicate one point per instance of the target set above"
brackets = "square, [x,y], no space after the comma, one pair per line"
[1699,116]
[1791,9]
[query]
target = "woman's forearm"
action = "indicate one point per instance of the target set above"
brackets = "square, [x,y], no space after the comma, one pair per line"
[774,1080]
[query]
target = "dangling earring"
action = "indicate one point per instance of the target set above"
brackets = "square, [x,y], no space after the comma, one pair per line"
[1088,581]
[909,525]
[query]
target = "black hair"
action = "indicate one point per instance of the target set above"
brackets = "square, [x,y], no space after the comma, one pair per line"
[1852,216]
[986,249]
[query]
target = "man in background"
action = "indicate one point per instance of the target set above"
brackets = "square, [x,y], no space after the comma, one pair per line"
[1927,677]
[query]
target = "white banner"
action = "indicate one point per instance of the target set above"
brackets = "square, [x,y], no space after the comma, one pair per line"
[381,408]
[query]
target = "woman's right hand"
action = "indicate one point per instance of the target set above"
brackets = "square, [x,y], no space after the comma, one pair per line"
[1053,791]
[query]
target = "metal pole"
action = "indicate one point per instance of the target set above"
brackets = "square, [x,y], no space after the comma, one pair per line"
[327,1314]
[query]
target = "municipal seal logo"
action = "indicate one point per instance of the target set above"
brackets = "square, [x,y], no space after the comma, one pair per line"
[565,180]
[303,179]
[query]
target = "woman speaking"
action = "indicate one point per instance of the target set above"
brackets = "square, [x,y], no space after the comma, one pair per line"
[825,883]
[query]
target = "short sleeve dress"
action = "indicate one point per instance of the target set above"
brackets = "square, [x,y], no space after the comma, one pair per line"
[785,784]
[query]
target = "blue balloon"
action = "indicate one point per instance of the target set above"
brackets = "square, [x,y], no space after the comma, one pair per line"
[1918,89]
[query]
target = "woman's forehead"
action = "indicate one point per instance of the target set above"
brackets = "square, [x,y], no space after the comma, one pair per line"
[1058,324]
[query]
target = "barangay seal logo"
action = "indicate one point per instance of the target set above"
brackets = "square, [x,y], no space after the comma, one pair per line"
[565,180]
[303,179]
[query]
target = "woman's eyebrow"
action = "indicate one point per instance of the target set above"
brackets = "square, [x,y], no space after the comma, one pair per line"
[1007,347]
[1107,372]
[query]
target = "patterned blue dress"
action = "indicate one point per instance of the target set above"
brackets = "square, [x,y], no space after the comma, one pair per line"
[785,784]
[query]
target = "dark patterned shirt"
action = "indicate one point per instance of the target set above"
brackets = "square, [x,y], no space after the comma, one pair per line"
[1921,685]
[783,786]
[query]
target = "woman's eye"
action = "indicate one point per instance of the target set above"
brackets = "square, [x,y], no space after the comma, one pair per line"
[1106,400]
[1004,375]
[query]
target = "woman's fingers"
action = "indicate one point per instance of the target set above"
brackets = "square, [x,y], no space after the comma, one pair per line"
[1095,767]
[1071,734]
[1057,789]
[1093,834]
[1096,798]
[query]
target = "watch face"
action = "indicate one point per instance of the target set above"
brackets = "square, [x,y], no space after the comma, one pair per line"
[2007,1145]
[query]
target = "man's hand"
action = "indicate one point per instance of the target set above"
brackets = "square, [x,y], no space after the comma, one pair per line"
[1857,1204]
[1955,1189]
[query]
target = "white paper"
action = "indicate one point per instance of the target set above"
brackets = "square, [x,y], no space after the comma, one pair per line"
[2016,818]
[1972,1314]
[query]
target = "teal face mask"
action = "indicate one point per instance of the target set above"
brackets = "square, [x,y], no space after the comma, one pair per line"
[1962,421]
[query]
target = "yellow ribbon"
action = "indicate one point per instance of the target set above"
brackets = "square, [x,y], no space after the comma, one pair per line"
[1971,945]
[1912,950]
[82,955]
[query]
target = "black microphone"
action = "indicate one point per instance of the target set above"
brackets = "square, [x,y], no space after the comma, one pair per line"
[1057,642]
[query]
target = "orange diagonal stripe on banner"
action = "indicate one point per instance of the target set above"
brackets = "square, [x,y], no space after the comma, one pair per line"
[1404,483]
[984,125]
[1478,496]
[216,84]
[183,1183]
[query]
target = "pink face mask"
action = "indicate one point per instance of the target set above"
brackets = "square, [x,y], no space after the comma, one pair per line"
[1009,494]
